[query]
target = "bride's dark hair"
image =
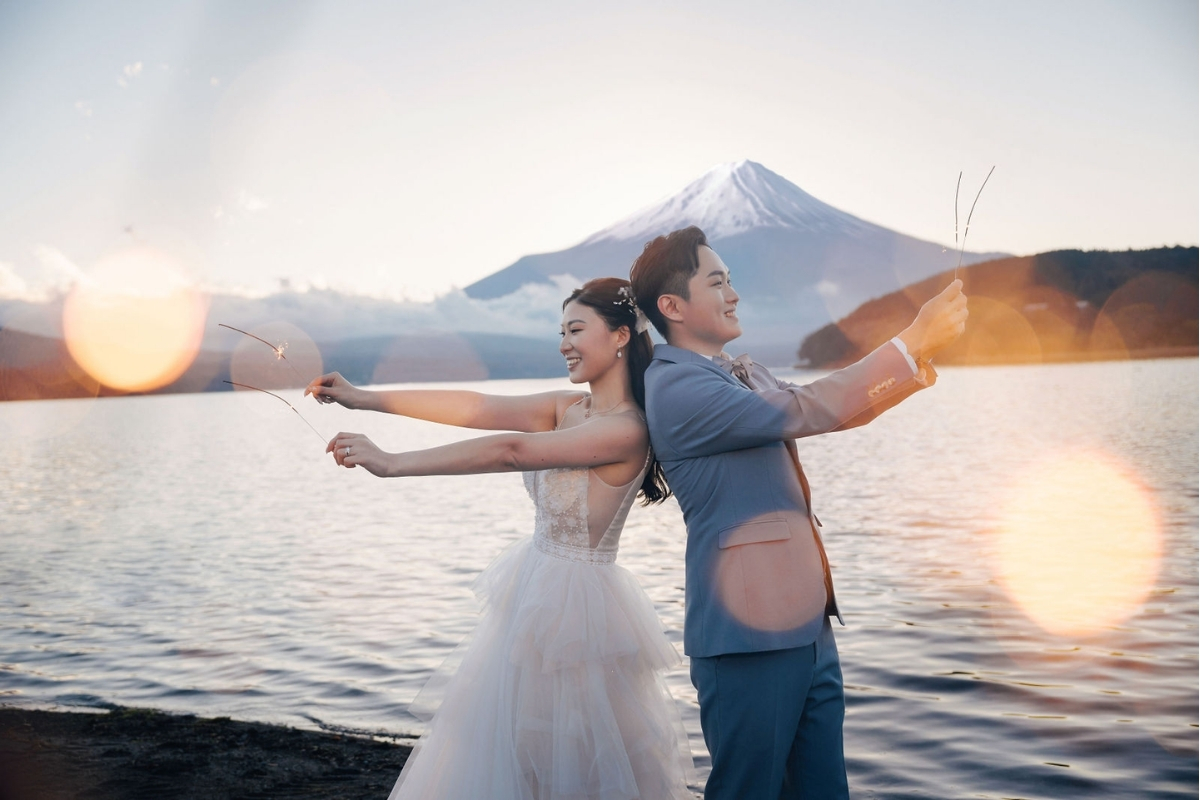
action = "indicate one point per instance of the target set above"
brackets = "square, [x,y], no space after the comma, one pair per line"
[612,299]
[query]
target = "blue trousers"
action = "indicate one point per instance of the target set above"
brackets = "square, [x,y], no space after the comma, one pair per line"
[773,722]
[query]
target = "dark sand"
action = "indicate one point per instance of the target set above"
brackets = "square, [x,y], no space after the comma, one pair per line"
[136,753]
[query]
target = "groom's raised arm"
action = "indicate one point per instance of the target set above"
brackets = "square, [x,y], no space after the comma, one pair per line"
[696,412]
[884,397]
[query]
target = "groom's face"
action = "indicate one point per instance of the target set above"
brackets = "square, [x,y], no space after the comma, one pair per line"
[710,312]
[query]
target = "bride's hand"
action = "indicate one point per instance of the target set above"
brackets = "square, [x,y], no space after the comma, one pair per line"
[333,388]
[352,450]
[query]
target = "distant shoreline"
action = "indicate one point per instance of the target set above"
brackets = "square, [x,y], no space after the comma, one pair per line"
[1085,357]
[135,752]
[1014,359]
[75,391]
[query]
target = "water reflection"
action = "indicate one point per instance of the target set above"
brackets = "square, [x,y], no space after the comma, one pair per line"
[187,553]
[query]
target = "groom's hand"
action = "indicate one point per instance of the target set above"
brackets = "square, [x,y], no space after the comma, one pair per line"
[939,322]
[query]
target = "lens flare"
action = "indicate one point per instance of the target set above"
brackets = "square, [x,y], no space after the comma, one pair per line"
[756,569]
[1079,544]
[998,333]
[135,322]
[1152,311]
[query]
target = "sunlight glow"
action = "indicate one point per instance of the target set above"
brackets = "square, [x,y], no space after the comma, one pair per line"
[998,333]
[1079,544]
[135,322]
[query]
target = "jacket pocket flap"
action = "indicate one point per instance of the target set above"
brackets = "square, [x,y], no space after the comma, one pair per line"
[765,530]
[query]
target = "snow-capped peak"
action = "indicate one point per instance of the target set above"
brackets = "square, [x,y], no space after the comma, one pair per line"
[729,199]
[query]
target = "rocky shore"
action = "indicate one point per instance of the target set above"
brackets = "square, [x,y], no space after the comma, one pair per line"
[137,753]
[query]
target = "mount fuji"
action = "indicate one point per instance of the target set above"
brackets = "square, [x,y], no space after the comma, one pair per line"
[797,262]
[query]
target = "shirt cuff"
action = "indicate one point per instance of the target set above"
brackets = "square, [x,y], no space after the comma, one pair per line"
[896,340]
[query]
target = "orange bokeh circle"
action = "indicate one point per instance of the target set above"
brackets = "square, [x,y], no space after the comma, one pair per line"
[1079,544]
[135,322]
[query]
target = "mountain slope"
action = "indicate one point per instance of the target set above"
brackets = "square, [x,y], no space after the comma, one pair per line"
[1066,305]
[34,367]
[797,262]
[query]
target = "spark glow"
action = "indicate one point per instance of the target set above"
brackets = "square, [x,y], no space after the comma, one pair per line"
[292,370]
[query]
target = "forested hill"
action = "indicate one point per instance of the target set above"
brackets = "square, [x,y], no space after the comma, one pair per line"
[1066,305]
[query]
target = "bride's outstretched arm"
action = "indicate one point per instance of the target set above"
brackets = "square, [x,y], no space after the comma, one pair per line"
[529,413]
[603,441]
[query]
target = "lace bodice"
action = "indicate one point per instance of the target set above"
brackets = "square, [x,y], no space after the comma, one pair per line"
[579,517]
[563,526]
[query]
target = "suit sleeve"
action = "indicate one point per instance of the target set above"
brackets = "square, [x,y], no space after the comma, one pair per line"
[883,398]
[697,413]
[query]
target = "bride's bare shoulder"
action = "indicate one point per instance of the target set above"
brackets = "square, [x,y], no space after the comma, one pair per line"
[565,400]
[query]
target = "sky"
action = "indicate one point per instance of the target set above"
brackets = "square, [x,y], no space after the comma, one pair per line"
[405,149]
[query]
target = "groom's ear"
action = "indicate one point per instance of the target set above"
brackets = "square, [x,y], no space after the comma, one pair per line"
[671,307]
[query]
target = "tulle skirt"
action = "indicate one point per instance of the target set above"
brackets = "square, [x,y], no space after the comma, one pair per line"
[557,694]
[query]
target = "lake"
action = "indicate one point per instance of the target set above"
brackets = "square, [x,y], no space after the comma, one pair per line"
[201,554]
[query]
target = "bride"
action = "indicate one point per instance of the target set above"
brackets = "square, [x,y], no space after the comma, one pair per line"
[559,691]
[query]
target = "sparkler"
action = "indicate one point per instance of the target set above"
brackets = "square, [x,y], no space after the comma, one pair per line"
[277,397]
[279,356]
[278,348]
[967,228]
[957,186]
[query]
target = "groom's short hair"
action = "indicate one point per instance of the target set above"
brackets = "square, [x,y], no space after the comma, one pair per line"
[665,266]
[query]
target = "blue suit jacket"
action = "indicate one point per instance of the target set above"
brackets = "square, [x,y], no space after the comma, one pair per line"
[757,578]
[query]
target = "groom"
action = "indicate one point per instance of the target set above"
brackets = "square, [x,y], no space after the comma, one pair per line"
[759,592]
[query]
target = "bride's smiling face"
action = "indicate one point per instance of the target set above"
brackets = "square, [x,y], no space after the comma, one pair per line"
[589,347]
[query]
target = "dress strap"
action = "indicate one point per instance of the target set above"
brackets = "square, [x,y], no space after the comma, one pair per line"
[558,424]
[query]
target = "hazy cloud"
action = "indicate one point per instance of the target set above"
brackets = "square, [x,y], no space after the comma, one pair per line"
[248,202]
[57,275]
[129,72]
[13,286]
[534,311]
[83,107]
[61,272]
[827,288]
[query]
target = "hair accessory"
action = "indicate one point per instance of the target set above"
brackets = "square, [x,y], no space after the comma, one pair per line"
[641,324]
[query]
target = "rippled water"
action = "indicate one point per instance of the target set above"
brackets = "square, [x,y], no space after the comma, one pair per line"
[199,553]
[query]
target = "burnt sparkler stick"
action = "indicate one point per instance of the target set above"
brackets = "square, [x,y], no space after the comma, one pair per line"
[277,397]
[967,227]
[277,348]
[957,186]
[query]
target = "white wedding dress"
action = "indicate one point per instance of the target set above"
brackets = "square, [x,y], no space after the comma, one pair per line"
[558,693]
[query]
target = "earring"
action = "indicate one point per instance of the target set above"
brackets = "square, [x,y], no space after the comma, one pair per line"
[618,353]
